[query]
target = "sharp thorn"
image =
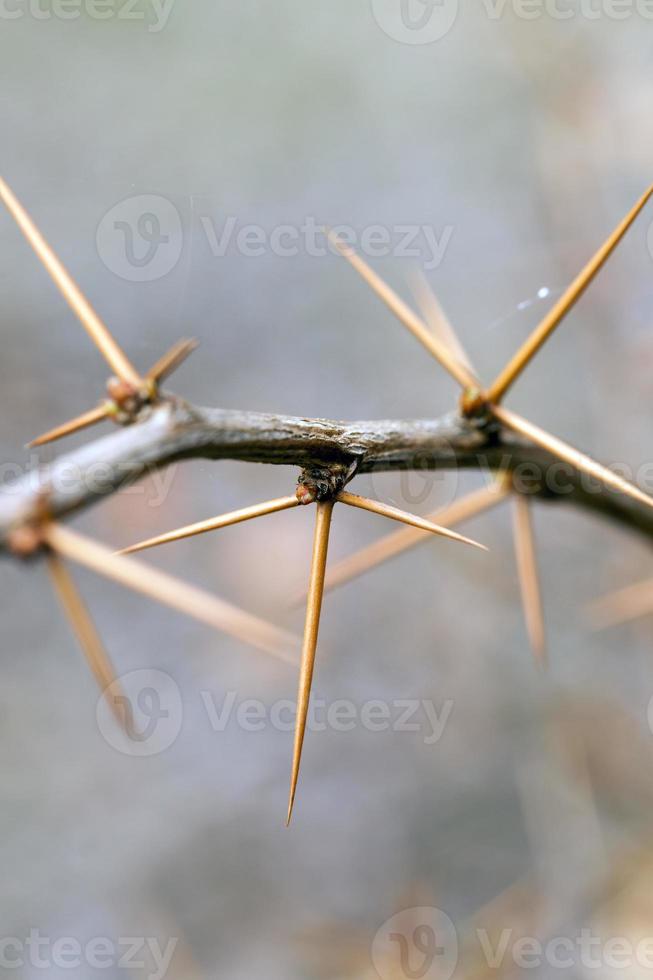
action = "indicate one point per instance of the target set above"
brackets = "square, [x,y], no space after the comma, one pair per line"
[171,360]
[71,292]
[75,425]
[395,514]
[324,512]
[568,454]
[214,523]
[170,591]
[529,580]
[405,315]
[566,302]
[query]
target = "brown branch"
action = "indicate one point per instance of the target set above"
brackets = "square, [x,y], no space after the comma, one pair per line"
[324,448]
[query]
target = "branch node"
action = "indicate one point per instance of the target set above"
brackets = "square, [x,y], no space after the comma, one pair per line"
[322,483]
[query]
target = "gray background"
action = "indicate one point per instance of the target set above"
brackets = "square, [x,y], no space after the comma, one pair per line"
[530,139]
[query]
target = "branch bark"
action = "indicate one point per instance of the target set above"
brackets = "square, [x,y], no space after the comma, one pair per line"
[176,431]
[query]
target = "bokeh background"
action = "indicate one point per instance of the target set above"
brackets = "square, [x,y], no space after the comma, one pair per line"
[519,142]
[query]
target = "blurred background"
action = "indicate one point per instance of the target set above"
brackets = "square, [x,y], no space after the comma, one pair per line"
[163,148]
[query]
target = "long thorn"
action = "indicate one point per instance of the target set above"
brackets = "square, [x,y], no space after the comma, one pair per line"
[85,631]
[619,607]
[404,313]
[172,592]
[75,425]
[397,542]
[171,360]
[569,455]
[71,292]
[235,517]
[395,514]
[529,580]
[544,330]
[313,608]
[440,323]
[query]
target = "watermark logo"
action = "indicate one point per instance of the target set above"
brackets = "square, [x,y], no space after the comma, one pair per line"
[416,944]
[649,239]
[141,238]
[150,707]
[415,21]
[422,944]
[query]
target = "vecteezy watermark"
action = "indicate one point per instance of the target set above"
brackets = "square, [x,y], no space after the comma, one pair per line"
[398,715]
[153,13]
[151,709]
[146,954]
[141,238]
[423,243]
[564,10]
[427,21]
[149,703]
[415,21]
[97,478]
[416,944]
[422,944]
[649,234]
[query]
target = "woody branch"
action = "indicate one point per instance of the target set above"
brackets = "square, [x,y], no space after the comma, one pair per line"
[328,450]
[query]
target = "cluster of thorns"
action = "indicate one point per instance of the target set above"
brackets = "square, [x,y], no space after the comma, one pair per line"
[129,394]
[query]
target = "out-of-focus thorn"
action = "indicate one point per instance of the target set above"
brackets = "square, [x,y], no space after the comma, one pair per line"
[95,415]
[324,512]
[71,292]
[440,323]
[86,633]
[399,541]
[172,592]
[171,360]
[529,580]
[568,454]
[405,315]
[395,514]
[544,330]
[620,607]
[214,523]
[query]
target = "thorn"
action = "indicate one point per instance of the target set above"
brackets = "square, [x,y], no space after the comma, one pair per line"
[529,580]
[404,313]
[440,324]
[170,591]
[173,359]
[395,514]
[570,455]
[92,323]
[75,425]
[619,607]
[397,542]
[311,629]
[235,517]
[544,330]
[85,631]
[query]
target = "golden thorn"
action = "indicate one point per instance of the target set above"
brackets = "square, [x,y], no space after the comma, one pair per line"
[95,415]
[569,455]
[395,514]
[94,326]
[171,360]
[170,591]
[529,580]
[85,631]
[213,524]
[323,516]
[406,316]
[544,330]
